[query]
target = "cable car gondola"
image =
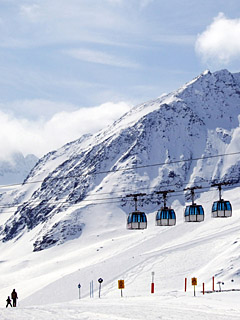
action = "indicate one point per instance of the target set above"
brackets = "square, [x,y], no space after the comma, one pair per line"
[194,212]
[165,216]
[136,220]
[221,208]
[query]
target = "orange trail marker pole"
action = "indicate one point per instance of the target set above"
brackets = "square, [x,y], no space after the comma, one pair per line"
[121,286]
[203,291]
[212,283]
[185,284]
[194,283]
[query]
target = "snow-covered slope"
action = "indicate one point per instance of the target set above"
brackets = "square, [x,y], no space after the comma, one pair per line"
[198,120]
[106,249]
[67,222]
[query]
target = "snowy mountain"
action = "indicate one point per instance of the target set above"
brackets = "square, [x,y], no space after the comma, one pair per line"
[71,202]
[16,169]
[198,120]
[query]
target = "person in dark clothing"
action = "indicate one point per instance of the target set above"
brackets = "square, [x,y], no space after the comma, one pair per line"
[9,302]
[14,297]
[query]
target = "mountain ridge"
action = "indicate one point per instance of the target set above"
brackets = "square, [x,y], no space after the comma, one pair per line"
[200,118]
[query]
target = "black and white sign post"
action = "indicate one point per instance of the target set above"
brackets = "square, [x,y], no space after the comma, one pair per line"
[79,288]
[100,280]
[219,283]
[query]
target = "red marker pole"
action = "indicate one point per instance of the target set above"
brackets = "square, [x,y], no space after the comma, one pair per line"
[185,284]
[152,287]
[152,284]
[203,291]
[212,283]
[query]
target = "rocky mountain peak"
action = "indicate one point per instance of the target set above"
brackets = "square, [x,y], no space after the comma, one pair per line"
[199,119]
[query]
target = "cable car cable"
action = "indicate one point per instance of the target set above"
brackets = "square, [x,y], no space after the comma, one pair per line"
[120,170]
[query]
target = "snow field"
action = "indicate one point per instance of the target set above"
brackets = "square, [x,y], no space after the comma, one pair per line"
[47,281]
[173,305]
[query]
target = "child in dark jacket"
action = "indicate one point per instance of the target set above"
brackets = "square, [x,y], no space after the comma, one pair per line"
[9,302]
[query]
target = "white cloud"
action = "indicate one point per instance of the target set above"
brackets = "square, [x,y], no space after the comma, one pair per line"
[100,57]
[219,43]
[40,137]
[47,22]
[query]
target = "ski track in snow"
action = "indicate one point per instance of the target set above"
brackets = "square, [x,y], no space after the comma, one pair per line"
[152,308]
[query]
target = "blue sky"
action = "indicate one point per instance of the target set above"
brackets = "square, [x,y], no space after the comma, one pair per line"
[58,57]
